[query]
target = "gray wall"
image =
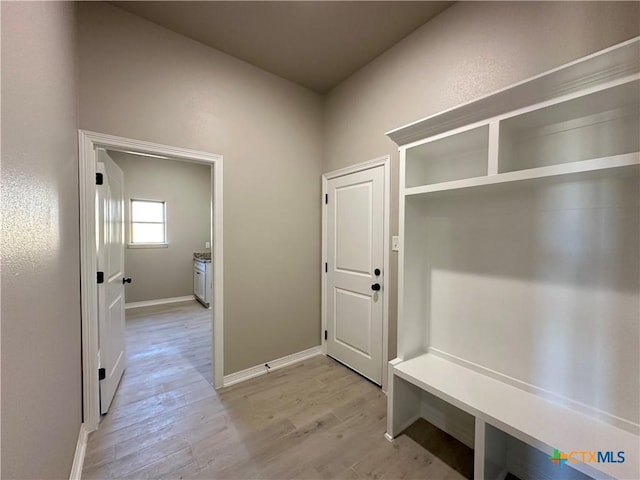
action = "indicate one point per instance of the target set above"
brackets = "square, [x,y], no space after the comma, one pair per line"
[41,397]
[471,49]
[186,188]
[142,81]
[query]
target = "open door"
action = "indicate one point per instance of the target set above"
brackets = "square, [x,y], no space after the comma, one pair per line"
[111,280]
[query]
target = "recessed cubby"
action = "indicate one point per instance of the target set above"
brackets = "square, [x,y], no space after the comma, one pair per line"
[454,157]
[597,125]
[490,272]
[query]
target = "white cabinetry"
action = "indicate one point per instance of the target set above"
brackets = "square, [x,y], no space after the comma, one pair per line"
[519,272]
[202,282]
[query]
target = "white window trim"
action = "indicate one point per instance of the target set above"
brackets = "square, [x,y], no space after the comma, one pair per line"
[131,244]
[148,245]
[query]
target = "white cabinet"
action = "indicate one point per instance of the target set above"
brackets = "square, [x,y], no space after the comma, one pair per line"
[519,272]
[202,282]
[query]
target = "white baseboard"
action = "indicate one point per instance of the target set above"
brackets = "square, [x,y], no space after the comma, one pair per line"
[258,370]
[159,301]
[78,458]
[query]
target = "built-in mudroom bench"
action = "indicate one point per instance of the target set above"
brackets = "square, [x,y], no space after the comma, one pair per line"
[519,274]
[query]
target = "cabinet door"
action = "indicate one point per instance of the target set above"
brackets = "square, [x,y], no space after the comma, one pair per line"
[198,283]
[201,286]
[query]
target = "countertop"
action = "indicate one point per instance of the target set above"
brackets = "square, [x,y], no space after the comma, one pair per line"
[202,256]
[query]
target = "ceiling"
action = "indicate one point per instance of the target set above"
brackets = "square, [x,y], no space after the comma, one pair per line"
[316,44]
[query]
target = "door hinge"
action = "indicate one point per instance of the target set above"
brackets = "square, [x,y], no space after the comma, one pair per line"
[102,374]
[325,334]
[100,277]
[326,267]
[99,179]
[326,198]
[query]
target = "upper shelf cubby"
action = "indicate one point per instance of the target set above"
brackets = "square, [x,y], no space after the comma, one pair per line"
[597,125]
[454,157]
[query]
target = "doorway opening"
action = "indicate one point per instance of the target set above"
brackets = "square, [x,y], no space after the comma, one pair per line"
[90,143]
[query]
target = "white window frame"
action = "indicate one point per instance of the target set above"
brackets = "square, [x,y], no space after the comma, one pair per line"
[130,243]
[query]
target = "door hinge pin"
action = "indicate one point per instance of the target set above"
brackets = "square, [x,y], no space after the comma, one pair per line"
[326,198]
[100,277]
[325,335]
[99,179]
[102,374]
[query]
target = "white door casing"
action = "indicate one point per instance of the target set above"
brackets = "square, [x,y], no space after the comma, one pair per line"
[355,249]
[110,250]
[88,143]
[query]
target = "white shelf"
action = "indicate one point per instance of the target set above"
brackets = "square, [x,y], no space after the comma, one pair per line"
[523,415]
[596,125]
[608,65]
[628,160]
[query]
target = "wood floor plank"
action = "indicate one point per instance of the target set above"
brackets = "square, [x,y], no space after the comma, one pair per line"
[313,420]
[197,412]
[177,465]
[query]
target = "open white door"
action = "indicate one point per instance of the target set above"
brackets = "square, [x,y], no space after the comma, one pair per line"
[355,258]
[110,245]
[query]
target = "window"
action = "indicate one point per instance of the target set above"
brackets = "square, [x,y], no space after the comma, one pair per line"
[148,223]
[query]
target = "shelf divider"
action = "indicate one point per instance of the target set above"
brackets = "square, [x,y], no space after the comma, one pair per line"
[494,142]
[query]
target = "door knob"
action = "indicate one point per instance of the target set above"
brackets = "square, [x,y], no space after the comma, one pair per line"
[126,280]
[375,287]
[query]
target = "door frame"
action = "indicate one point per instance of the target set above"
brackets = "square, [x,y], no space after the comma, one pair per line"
[87,142]
[377,162]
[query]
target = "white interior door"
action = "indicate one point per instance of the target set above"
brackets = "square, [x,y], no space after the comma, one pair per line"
[110,244]
[355,277]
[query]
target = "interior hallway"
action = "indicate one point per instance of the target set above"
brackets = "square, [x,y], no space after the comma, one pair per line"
[315,419]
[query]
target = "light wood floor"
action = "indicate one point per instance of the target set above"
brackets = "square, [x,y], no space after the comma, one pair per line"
[313,420]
